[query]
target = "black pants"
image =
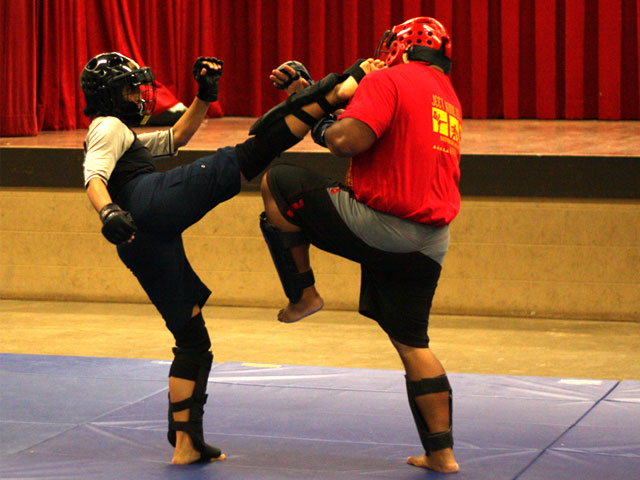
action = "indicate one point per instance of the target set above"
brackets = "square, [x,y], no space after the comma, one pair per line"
[163,205]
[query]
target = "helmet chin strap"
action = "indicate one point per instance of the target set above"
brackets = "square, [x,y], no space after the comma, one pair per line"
[430,55]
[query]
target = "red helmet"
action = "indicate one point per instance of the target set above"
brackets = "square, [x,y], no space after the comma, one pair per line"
[421,34]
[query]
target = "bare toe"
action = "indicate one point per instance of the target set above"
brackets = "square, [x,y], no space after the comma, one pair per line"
[417,461]
[221,458]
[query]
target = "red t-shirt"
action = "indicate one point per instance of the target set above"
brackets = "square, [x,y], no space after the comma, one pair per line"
[413,169]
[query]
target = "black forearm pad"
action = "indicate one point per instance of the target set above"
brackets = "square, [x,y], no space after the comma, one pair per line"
[256,153]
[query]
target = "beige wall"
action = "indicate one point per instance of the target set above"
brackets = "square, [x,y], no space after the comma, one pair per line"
[539,258]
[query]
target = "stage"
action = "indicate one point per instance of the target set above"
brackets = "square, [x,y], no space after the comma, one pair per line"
[512,158]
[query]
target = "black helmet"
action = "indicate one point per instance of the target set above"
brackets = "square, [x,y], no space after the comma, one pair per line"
[103,81]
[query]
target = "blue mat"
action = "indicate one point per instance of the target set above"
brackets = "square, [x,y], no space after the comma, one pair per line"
[604,444]
[98,418]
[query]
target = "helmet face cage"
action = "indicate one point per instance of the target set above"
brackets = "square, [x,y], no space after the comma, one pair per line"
[115,85]
[420,31]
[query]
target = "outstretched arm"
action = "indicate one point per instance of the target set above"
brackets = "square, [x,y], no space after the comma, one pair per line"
[189,122]
[207,72]
[346,137]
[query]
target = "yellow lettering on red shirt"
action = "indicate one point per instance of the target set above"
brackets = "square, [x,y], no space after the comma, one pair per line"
[446,122]
[440,121]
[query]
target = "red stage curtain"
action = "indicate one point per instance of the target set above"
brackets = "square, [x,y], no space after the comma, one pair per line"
[18,72]
[548,59]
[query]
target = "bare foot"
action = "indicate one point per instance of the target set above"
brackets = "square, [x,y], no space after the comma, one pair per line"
[311,303]
[345,90]
[439,461]
[191,457]
[185,454]
[369,65]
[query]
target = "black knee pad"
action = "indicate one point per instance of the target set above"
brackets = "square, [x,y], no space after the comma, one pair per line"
[192,361]
[431,441]
[192,350]
[255,153]
[194,335]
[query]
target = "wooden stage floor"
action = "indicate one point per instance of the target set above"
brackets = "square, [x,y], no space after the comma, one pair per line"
[479,137]
[500,158]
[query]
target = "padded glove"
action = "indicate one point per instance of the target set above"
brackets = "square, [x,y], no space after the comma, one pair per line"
[207,83]
[117,224]
[318,130]
[300,70]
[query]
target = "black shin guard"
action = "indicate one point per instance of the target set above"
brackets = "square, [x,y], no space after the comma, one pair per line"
[293,105]
[256,153]
[312,94]
[431,441]
[192,361]
[280,244]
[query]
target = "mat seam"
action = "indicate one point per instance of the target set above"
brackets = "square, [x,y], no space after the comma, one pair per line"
[545,449]
[77,425]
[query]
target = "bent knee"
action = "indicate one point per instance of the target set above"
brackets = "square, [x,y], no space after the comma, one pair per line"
[264,187]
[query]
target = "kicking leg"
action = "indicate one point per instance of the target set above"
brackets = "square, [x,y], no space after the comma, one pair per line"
[286,124]
[430,400]
[312,103]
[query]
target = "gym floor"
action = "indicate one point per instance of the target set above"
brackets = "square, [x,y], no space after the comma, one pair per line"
[482,345]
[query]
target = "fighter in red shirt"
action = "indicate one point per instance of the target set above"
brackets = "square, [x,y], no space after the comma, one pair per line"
[412,170]
[402,130]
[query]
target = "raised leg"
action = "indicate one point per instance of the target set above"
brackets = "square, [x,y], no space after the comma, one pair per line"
[290,252]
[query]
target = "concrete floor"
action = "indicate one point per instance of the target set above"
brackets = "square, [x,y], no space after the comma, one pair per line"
[510,346]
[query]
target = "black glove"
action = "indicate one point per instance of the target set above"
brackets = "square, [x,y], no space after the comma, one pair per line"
[318,130]
[117,225]
[300,70]
[207,83]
